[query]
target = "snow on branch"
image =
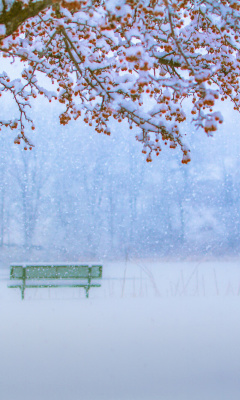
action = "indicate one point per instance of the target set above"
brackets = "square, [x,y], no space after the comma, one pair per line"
[107,57]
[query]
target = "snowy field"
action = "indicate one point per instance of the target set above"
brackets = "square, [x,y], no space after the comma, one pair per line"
[152,331]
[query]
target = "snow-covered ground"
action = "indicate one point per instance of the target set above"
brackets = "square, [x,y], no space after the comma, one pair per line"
[164,331]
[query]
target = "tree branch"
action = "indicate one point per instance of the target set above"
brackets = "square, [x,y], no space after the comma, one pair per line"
[19,13]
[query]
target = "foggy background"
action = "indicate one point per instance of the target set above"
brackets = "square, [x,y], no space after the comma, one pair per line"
[79,194]
[154,330]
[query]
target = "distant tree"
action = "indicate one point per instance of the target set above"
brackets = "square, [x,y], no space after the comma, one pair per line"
[29,175]
[110,58]
[3,192]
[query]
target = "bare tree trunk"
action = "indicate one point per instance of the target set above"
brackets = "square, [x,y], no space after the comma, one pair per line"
[2,200]
[2,216]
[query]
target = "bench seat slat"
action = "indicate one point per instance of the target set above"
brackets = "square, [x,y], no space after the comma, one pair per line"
[55,286]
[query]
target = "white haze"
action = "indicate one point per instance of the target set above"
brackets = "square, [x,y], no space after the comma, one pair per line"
[151,331]
[165,323]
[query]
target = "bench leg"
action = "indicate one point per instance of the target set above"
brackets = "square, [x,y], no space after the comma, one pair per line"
[22,291]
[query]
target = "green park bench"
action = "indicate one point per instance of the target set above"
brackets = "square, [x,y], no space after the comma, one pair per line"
[53,276]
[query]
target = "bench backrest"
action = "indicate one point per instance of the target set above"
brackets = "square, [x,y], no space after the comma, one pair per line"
[55,272]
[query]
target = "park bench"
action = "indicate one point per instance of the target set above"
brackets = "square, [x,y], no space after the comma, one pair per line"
[55,275]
